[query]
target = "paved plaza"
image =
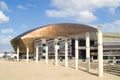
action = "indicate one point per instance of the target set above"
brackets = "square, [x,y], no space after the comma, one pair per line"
[12,70]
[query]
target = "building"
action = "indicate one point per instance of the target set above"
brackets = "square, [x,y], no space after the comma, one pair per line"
[111,45]
[111,41]
[66,40]
[50,31]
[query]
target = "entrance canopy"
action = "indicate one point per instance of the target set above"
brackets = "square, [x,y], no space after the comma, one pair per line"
[49,31]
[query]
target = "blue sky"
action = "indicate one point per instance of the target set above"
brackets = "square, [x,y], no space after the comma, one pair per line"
[18,16]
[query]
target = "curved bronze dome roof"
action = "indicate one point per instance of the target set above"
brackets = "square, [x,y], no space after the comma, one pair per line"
[49,31]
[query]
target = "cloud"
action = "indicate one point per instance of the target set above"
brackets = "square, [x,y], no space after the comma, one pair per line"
[3,6]
[112,27]
[26,6]
[3,18]
[76,8]
[109,27]
[7,31]
[86,16]
[5,40]
[21,7]
[5,43]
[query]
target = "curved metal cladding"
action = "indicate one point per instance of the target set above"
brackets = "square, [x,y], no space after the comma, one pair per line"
[49,31]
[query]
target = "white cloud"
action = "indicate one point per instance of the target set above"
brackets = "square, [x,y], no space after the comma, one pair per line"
[3,6]
[3,18]
[5,43]
[55,13]
[76,8]
[26,6]
[109,27]
[21,7]
[112,27]
[86,16]
[7,31]
[5,40]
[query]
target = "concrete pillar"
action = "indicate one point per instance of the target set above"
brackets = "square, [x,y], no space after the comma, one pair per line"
[27,54]
[76,54]
[100,52]
[56,54]
[46,55]
[36,54]
[17,54]
[66,53]
[87,51]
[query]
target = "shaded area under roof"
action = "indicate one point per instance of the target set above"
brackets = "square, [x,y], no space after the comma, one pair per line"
[49,31]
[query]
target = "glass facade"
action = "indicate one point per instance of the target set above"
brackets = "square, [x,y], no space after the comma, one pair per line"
[71,48]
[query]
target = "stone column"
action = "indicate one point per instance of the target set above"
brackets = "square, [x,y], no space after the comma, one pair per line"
[100,52]
[87,51]
[56,53]
[17,54]
[76,54]
[27,54]
[37,54]
[46,55]
[66,53]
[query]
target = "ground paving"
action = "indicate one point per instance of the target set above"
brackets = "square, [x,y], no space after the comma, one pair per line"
[12,70]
